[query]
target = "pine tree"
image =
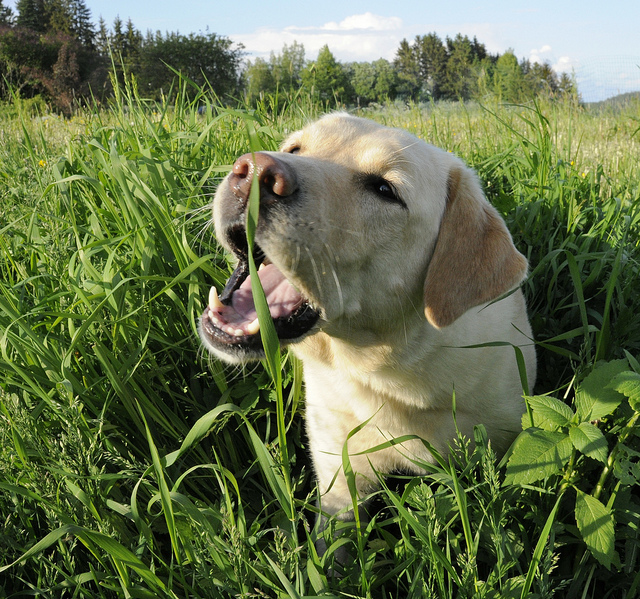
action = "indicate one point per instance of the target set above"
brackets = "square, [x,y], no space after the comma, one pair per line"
[103,38]
[132,44]
[458,81]
[432,59]
[118,38]
[58,19]
[81,24]
[407,66]
[33,14]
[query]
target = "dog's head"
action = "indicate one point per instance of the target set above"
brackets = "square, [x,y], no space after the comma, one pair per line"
[361,227]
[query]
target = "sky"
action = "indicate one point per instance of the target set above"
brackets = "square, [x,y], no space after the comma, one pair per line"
[598,41]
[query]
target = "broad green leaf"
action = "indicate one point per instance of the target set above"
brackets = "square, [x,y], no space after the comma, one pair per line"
[589,440]
[595,523]
[594,398]
[537,454]
[549,413]
[628,383]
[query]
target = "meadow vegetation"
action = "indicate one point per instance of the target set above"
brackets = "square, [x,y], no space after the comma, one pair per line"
[132,465]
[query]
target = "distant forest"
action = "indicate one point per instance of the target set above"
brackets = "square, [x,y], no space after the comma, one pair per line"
[53,49]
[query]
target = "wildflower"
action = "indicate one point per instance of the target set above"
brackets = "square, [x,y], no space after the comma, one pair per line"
[42,163]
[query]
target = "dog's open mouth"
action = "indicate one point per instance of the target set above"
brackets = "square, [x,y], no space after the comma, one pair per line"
[231,318]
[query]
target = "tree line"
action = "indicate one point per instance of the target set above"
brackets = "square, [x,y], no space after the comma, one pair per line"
[425,69]
[53,49]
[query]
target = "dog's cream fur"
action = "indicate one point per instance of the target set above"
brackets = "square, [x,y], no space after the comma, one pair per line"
[403,291]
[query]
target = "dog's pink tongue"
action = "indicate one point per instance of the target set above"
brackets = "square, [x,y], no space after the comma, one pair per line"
[281,296]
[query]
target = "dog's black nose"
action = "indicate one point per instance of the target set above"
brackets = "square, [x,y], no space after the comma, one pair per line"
[277,180]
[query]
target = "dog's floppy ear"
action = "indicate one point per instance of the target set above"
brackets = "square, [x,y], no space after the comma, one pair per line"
[474,260]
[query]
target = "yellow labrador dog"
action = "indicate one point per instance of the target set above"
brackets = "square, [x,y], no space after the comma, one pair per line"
[382,262]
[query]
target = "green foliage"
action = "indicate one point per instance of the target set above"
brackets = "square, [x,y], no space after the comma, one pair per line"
[462,69]
[560,440]
[281,74]
[129,466]
[325,78]
[373,82]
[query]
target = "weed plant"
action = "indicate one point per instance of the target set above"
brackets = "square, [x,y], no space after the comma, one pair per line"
[131,465]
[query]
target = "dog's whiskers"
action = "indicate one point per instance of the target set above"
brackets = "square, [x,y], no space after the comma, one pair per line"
[314,266]
[332,261]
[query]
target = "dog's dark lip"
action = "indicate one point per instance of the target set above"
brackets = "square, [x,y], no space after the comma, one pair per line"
[237,241]
[288,329]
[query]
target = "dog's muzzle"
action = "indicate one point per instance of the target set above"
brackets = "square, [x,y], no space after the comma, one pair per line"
[229,325]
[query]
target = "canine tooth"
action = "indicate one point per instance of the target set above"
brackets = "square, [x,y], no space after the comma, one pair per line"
[214,300]
[253,327]
[263,265]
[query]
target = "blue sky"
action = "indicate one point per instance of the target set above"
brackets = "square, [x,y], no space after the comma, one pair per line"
[597,40]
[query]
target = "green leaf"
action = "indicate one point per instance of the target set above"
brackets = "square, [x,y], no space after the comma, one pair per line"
[594,398]
[628,383]
[589,440]
[537,454]
[626,466]
[549,413]
[595,523]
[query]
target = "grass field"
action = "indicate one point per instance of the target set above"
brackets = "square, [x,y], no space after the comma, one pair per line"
[131,465]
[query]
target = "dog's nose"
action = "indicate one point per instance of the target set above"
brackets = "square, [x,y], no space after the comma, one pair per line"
[277,180]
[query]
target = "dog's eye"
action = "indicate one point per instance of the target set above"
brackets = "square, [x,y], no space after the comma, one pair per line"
[382,188]
[294,150]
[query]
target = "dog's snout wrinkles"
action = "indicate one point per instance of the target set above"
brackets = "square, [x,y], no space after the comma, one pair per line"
[276,179]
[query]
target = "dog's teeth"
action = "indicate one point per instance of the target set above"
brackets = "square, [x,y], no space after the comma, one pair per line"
[212,316]
[214,300]
[253,327]
[238,333]
[263,265]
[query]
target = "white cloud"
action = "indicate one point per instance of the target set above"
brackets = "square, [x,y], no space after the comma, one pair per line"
[366,21]
[362,37]
[540,55]
[564,64]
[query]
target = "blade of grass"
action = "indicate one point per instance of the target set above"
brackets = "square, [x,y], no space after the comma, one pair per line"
[537,553]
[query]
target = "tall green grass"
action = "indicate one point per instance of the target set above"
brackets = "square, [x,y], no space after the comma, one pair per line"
[131,465]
